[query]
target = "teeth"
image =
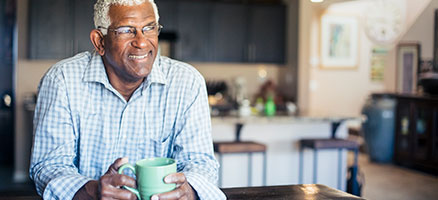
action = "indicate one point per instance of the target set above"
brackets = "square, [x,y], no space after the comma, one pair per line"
[137,57]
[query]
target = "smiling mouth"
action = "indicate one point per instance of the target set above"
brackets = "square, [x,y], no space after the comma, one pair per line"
[140,56]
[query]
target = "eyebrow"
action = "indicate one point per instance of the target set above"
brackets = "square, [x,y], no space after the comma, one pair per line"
[151,23]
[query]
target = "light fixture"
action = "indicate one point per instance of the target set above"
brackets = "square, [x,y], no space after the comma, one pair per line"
[316,1]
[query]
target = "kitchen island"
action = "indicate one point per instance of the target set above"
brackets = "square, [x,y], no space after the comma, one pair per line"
[281,135]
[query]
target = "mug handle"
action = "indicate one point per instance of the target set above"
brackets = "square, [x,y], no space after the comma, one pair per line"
[132,168]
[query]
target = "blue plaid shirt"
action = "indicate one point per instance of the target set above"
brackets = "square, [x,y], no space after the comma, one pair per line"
[82,125]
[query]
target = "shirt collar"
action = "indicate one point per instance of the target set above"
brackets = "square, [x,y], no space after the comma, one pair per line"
[95,72]
[157,74]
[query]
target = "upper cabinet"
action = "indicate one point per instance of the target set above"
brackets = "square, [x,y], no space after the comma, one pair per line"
[267,34]
[207,31]
[59,28]
[229,32]
[226,32]
[193,42]
[50,29]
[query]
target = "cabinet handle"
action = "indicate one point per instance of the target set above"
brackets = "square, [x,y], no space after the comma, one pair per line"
[254,51]
[7,100]
[251,52]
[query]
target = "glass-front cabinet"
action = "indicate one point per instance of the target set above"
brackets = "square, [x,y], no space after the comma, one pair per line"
[416,138]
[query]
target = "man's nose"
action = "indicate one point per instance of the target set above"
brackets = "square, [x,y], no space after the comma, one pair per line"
[140,40]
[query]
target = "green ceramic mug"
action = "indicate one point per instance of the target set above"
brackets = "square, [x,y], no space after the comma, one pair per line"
[150,173]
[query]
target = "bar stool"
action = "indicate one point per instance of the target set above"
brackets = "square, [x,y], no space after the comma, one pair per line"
[328,143]
[241,147]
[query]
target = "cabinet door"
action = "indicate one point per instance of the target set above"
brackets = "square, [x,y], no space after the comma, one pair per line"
[423,127]
[51,29]
[194,30]
[228,33]
[403,136]
[168,15]
[83,25]
[267,33]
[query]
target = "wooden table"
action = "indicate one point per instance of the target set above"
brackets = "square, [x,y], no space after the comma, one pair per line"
[289,192]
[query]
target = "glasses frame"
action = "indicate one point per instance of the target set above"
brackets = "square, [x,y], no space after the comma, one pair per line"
[158,26]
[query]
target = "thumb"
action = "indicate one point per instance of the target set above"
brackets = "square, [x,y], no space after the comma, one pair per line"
[116,165]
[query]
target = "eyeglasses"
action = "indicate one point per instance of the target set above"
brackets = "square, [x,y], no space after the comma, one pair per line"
[129,32]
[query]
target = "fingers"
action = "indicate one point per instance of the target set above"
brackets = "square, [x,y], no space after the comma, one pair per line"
[183,189]
[178,178]
[110,186]
[116,165]
[183,192]
[116,193]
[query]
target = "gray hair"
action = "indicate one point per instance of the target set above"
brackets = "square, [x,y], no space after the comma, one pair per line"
[101,9]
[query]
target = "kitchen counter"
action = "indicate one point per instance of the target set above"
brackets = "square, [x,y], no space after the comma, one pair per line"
[281,134]
[282,119]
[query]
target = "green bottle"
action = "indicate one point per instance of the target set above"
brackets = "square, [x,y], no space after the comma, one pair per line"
[270,107]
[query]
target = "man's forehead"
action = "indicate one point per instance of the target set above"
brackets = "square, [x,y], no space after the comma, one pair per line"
[123,12]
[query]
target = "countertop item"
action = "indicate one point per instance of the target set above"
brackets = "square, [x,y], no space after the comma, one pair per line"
[281,119]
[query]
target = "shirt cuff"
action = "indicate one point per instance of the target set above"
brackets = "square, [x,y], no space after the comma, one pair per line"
[204,188]
[64,187]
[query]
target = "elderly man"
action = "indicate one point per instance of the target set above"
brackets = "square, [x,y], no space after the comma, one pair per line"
[97,110]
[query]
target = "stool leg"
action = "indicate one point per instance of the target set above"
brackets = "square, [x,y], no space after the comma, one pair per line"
[249,169]
[339,167]
[315,165]
[220,169]
[264,168]
[300,168]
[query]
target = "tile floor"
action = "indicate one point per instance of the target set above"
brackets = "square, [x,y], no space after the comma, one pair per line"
[390,182]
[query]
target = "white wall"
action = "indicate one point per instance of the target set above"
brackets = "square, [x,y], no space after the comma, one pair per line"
[342,91]
[423,29]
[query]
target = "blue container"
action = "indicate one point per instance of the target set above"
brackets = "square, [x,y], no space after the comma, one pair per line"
[378,128]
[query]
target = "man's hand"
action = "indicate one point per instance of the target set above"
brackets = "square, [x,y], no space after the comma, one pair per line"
[109,185]
[183,190]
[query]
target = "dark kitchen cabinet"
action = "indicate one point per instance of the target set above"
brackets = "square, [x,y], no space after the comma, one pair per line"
[193,31]
[229,32]
[206,31]
[226,32]
[168,14]
[83,24]
[50,29]
[233,32]
[416,137]
[267,30]
[59,28]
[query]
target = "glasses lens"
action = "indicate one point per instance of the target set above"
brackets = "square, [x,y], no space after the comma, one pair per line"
[125,32]
[151,30]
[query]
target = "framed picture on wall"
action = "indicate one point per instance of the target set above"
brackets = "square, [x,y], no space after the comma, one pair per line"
[339,42]
[408,59]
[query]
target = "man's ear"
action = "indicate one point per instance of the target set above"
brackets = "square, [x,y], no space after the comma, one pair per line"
[96,38]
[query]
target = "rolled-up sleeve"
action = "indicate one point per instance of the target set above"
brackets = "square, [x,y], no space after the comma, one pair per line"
[196,158]
[53,163]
